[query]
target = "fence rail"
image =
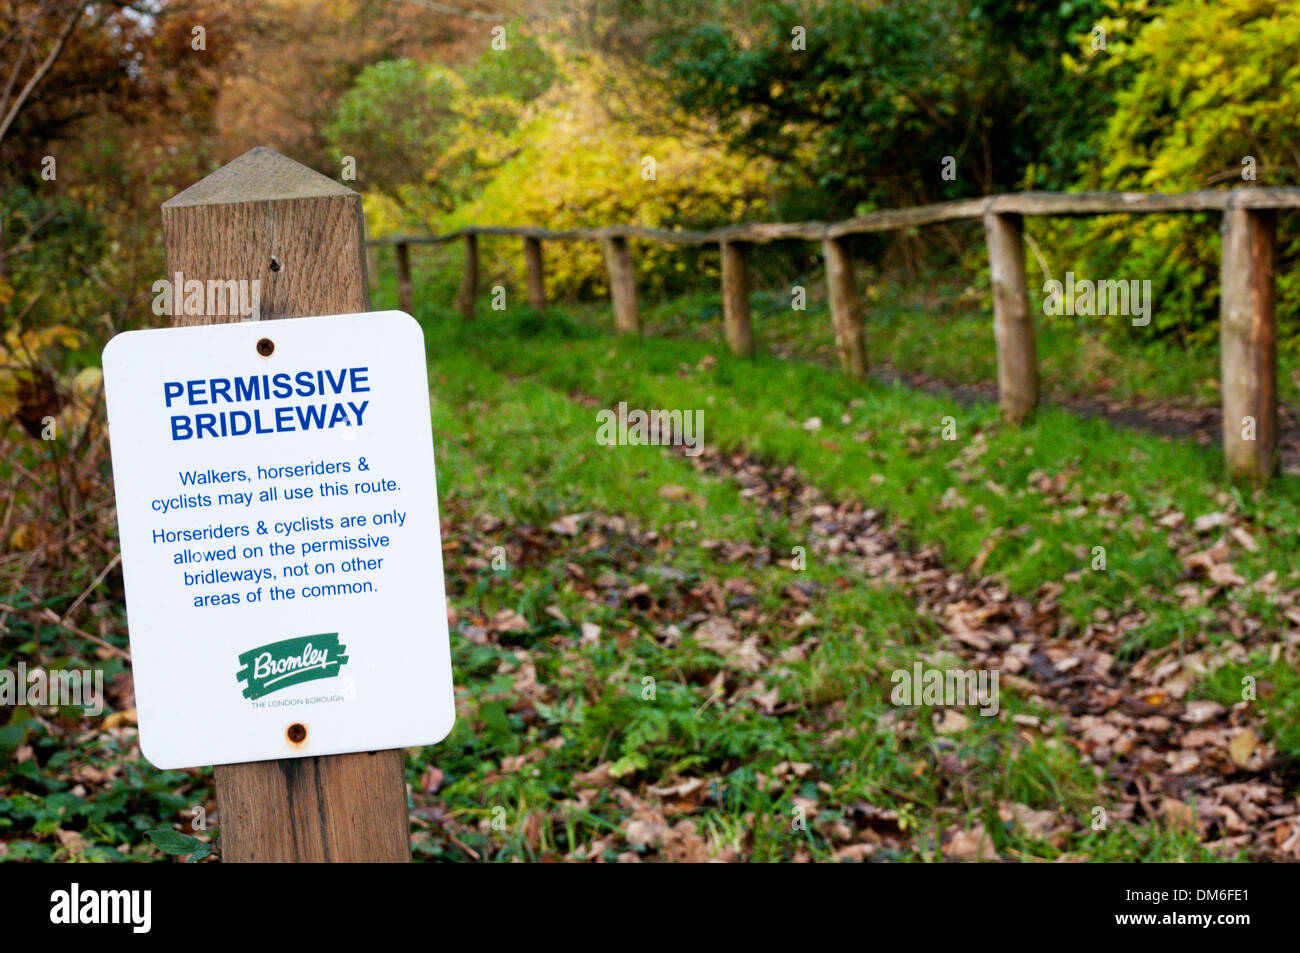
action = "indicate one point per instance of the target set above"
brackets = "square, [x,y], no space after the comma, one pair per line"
[1247,299]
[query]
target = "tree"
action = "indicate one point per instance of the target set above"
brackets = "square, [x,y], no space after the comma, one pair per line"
[1209,97]
[25,38]
[865,100]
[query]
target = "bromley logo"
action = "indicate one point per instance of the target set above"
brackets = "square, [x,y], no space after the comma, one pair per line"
[269,668]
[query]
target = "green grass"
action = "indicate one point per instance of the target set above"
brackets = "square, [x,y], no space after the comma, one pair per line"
[514,398]
[935,326]
[528,370]
[1114,483]
[944,331]
[524,454]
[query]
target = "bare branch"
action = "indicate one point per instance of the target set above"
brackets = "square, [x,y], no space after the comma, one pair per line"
[457,12]
[43,68]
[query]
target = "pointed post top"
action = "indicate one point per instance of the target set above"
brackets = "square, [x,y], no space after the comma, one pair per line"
[259,175]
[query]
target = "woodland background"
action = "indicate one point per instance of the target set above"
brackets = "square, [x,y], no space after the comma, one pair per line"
[108,109]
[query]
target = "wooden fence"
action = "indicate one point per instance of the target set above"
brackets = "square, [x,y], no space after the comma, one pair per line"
[1247,325]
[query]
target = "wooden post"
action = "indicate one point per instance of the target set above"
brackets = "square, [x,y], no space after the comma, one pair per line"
[404,277]
[846,314]
[469,283]
[266,218]
[735,299]
[1013,325]
[536,275]
[622,286]
[1248,343]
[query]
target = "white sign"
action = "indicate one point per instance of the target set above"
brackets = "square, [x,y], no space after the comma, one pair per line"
[280,544]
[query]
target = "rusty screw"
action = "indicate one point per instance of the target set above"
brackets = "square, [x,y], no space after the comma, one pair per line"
[265,347]
[297,733]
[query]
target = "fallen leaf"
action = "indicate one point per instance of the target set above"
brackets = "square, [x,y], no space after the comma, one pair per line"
[1178,815]
[127,717]
[1203,524]
[972,844]
[952,722]
[1033,824]
[1223,574]
[644,833]
[1199,712]
[1247,541]
[597,777]
[1243,745]
[682,789]
[566,525]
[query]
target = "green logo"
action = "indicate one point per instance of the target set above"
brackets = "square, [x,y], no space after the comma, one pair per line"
[269,668]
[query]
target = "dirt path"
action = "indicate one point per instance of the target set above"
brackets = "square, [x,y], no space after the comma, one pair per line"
[1201,425]
[1159,753]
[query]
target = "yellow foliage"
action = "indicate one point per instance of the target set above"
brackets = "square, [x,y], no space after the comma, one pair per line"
[1214,83]
[21,374]
[597,150]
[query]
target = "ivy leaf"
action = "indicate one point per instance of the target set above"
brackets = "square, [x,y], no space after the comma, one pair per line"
[11,736]
[172,842]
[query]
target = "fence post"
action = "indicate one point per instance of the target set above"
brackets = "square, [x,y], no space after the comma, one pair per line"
[404,277]
[846,315]
[1248,343]
[536,273]
[266,218]
[469,282]
[622,285]
[735,299]
[1013,325]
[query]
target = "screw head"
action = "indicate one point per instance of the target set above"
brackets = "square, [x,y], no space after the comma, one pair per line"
[265,347]
[297,733]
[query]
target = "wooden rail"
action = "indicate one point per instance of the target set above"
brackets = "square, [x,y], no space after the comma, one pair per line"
[1247,299]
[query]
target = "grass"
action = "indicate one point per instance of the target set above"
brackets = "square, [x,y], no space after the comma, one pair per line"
[643,739]
[884,444]
[524,455]
[948,341]
[935,325]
